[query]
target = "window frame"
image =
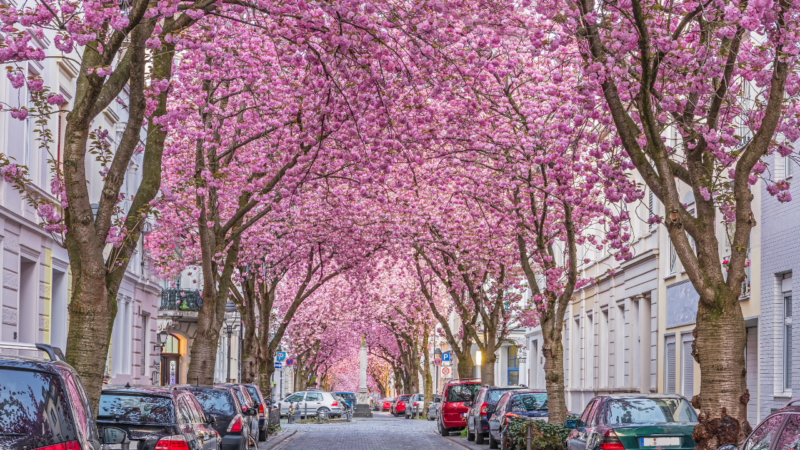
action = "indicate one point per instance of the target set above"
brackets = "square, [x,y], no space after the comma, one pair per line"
[787,341]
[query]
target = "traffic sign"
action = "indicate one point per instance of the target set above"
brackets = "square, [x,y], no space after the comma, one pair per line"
[437,362]
[445,372]
[278,365]
[280,356]
[290,362]
[446,356]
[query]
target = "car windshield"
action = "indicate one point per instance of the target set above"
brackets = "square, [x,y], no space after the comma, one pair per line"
[215,402]
[35,410]
[462,392]
[136,408]
[403,397]
[648,410]
[529,402]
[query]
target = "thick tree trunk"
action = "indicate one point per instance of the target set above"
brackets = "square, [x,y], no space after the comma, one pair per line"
[266,369]
[466,366]
[487,367]
[553,352]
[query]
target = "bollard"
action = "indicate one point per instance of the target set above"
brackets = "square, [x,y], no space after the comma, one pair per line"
[349,415]
[416,412]
[306,411]
[528,436]
[291,412]
[126,443]
[319,417]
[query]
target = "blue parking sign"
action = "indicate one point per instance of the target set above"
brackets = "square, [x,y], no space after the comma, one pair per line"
[280,356]
[446,357]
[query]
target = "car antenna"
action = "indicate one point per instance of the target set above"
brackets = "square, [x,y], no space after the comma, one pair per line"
[197,380]
[128,384]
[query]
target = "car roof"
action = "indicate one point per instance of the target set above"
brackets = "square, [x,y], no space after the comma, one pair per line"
[29,363]
[156,391]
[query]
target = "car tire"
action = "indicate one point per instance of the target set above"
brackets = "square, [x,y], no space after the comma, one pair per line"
[262,435]
[479,437]
[492,442]
[442,430]
[470,435]
[325,410]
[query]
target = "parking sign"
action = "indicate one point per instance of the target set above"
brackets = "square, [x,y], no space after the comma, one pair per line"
[280,356]
[446,357]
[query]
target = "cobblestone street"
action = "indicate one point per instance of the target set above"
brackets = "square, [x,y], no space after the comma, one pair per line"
[383,432]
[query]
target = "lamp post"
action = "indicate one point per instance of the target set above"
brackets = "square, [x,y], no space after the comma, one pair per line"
[229,327]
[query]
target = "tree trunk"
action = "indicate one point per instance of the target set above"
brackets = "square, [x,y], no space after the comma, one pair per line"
[553,352]
[266,369]
[487,367]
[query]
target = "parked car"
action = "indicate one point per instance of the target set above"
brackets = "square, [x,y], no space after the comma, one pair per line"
[387,404]
[634,421]
[416,402]
[157,418]
[433,407]
[515,403]
[312,402]
[230,419]
[263,409]
[248,406]
[779,431]
[342,401]
[42,402]
[349,397]
[482,409]
[457,397]
[399,404]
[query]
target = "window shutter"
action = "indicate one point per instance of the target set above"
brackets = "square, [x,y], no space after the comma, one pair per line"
[688,370]
[669,385]
[779,166]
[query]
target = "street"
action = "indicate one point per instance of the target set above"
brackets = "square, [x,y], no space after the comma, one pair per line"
[383,432]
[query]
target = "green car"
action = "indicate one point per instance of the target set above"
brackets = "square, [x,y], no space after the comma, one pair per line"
[625,421]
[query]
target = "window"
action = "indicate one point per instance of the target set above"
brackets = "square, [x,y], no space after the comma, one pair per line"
[619,346]
[673,258]
[587,413]
[787,166]
[761,439]
[589,363]
[145,343]
[651,208]
[313,397]
[602,362]
[136,408]
[787,340]
[513,365]
[669,372]
[295,397]
[577,341]
[649,410]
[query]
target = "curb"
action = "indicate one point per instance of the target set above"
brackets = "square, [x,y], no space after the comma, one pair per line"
[458,442]
[277,440]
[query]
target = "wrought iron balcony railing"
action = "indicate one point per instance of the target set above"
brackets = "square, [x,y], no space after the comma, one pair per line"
[181,300]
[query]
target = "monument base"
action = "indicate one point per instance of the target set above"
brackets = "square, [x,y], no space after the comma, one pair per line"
[362,410]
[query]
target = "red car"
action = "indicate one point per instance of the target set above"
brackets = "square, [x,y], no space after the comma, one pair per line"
[387,404]
[399,405]
[457,397]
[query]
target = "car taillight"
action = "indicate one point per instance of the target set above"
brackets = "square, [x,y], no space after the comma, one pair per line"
[483,409]
[261,410]
[335,404]
[610,441]
[71,445]
[415,403]
[177,442]
[236,424]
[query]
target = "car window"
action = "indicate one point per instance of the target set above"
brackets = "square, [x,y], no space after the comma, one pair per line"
[594,414]
[495,394]
[196,409]
[790,436]
[35,408]
[298,397]
[313,397]
[246,395]
[648,410]
[529,402]
[253,393]
[762,438]
[215,402]
[462,392]
[587,413]
[80,414]
[182,412]
[136,408]
[501,404]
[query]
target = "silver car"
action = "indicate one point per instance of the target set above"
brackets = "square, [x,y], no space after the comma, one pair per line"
[312,403]
[417,401]
[433,408]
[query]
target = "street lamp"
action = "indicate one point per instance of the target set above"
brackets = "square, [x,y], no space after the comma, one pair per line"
[162,339]
[229,327]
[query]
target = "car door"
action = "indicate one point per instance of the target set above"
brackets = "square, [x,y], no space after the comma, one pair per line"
[578,437]
[314,402]
[495,422]
[473,416]
[207,433]
[295,400]
[184,419]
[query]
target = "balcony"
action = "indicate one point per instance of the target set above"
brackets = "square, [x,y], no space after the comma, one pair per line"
[180,300]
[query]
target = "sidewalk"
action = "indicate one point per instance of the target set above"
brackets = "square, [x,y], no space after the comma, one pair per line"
[274,440]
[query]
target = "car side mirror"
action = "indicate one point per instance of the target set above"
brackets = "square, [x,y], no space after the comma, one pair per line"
[112,435]
[571,424]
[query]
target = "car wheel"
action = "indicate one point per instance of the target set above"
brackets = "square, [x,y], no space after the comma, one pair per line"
[442,430]
[492,442]
[262,435]
[324,410]
[470,435]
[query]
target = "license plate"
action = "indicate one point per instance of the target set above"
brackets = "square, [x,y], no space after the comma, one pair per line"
[463,415]
[134,445]
[660,442]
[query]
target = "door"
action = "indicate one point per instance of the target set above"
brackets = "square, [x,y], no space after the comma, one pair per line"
[295,400]
[314,402]
[579,439]
[170,370]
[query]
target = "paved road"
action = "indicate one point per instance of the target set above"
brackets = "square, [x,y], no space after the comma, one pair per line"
[383,432]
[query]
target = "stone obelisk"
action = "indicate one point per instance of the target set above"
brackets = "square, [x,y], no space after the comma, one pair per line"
[362,399]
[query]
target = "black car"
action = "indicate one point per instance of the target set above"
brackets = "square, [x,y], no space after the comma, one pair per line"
[517,403]
[157,418]
[779,431]
[231,422]
[42,402]
[482,408]
[248,406]
[263,410]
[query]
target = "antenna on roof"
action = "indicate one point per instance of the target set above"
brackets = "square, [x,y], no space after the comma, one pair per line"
[128,384]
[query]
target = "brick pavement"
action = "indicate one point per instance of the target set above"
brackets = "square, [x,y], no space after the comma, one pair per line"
[383,432]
